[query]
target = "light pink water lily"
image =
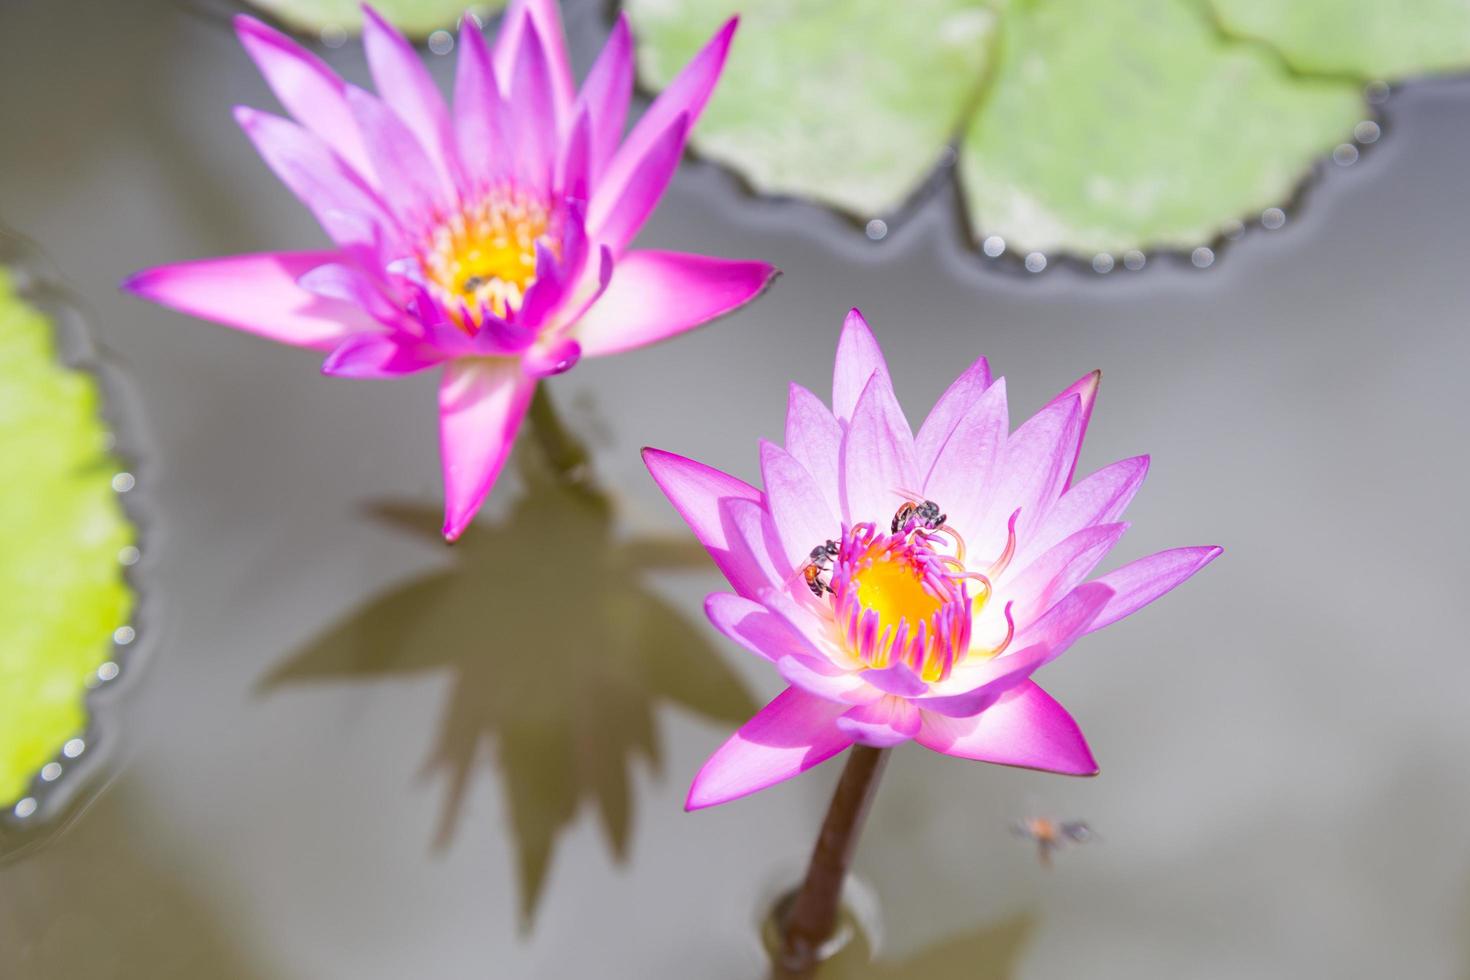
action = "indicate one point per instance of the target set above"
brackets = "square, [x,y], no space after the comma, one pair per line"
[908,586]
[490,238]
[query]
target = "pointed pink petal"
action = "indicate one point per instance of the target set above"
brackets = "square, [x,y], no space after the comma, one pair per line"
[614,219]
[409,181]
[974,683]
[798,509]
[803,617]
[814,438]
[947,412]
[481,404]
[753,527]
[982,684]
[1138,583]
[343,203]
[582,295]
[1085,390]
[377,355]
[701,495]
[605,95]
[508,41]
[1099,499]
[573,167]
[685,96]
[1067,620]
[557,357]
[479,124]
[858,359]
[548,290]
[546,15]
[654,295]
[793,733]
[405,85]
[820,679]
[883,723]
[546,18]
[898,679]
[256,293]
[351,284]
[1024,728]
[309,90]
[563,278]
[962,473]
[532,110]
[1060,570]
[756,628]
[1036,462]
[878,470]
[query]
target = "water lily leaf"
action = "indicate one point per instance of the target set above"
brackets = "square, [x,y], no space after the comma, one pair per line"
[848,103]
[62,592]
[1082,127]
[1113,126]
[415,18]
[1357,37]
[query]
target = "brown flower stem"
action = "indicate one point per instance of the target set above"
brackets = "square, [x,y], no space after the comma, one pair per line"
[568,458]
[813,915]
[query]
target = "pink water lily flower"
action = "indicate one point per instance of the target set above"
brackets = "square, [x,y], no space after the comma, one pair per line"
[907,586]
[490,238]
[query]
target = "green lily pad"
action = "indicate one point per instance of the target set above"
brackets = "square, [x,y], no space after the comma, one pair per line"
[1114,126]
[1079,126]
[62,592]
[840,102]
[415,18]
[1357,37]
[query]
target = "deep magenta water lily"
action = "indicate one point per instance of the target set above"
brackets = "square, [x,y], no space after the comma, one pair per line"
[489,238]
[894,620]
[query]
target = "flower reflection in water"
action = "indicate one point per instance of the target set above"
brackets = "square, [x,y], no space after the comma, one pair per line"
[565,695]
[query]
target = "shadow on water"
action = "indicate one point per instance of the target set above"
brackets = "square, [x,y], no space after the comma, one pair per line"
[992,952]
[102,907]
[558,654]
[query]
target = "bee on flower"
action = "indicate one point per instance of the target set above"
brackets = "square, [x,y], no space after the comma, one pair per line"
[931,609]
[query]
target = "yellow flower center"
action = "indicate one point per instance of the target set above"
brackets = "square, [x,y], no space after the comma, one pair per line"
[483,257]
[907,597]
[899,601]
[893,587]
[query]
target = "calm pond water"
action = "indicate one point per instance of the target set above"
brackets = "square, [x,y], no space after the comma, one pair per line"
[347,751]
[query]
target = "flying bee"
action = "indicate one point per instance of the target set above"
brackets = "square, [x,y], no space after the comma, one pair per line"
[1052,835]
[818,564]
[921,513]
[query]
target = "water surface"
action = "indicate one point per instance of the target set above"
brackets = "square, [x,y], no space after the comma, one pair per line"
[351,752]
